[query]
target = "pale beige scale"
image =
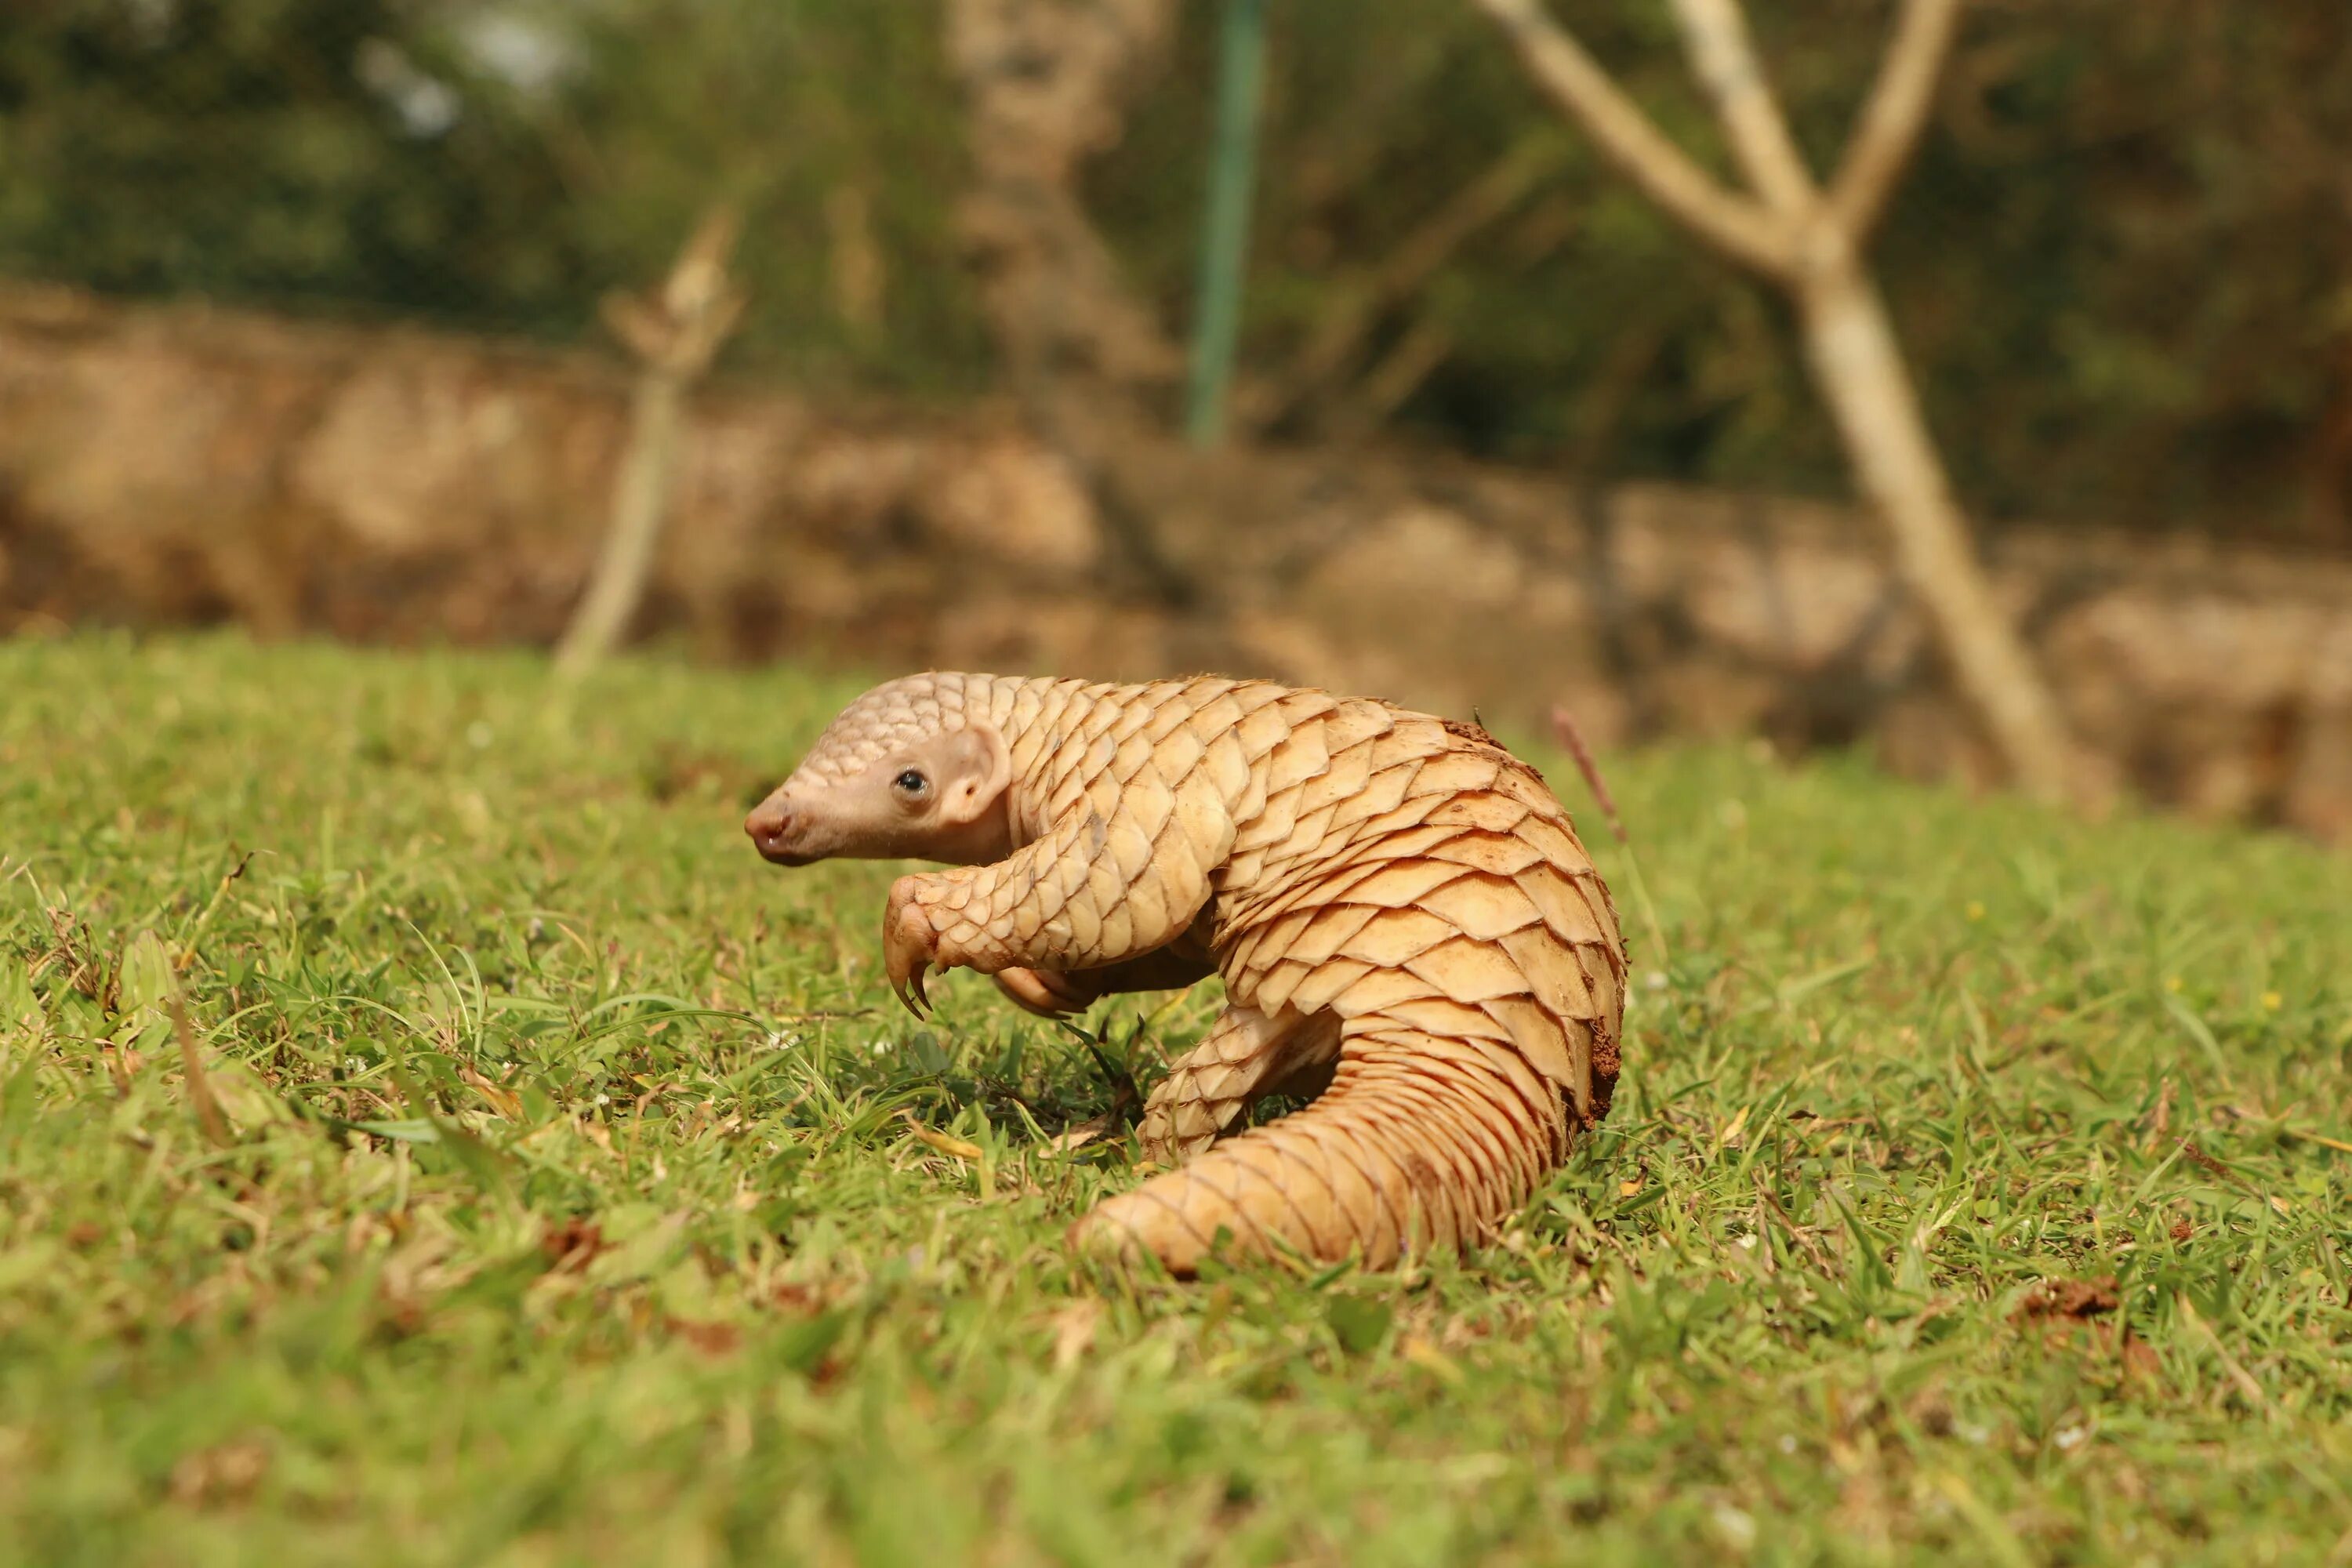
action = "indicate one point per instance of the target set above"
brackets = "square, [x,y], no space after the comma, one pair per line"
[1402,913]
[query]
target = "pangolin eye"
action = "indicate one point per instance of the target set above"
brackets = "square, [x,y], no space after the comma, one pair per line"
[911,782]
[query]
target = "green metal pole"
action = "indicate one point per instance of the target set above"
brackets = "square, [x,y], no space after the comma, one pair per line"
[1224,230]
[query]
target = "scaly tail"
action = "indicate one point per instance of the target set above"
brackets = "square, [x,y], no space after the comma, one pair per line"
[1420,1143]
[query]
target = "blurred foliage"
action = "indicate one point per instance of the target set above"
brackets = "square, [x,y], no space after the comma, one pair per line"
[498,166]
[2123,263]
[285,150]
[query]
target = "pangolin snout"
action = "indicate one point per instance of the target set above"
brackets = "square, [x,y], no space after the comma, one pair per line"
[772,825]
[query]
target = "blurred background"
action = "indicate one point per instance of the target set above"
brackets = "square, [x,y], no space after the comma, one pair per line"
[316,317]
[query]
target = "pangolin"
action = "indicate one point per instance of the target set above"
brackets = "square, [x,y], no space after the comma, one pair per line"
[1407,927]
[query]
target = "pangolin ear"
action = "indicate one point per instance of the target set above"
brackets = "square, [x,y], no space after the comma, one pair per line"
[982,770]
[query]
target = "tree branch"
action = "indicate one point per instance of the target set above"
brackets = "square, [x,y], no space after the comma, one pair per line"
[1893,117]
[1723,57]
[1737,225]
[1360,307]
[1424,346]
[1857,364]
[674,333]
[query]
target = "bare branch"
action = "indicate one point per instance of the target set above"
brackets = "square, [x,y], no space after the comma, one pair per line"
[674,332]
[1723,56]
[1739,226]
[1400,373]
[1893,117]
[1424,253]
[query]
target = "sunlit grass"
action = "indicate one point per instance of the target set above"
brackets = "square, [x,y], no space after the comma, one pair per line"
[553,1185]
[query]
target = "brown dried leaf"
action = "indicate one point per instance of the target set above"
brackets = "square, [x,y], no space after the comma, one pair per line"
[1082,1134]
[2074,1300]
[228,1473]
[572,1246]
[712,1338]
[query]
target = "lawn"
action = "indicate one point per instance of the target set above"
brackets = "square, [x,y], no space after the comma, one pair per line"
[540,1178]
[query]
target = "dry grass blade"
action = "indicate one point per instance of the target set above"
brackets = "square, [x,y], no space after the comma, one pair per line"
[2325,1141]
[200,1085]
[945,1143]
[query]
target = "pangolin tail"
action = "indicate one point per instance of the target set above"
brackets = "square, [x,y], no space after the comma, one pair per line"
[1420,1142]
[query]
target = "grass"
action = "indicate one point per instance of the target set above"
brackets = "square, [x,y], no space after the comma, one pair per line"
[544,1180]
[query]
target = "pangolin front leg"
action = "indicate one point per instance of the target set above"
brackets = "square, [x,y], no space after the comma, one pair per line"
[1052,993]
[1108,883]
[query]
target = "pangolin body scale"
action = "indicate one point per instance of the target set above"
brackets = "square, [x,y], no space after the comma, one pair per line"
[1401,910]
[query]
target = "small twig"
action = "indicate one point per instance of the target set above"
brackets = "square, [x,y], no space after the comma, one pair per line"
[2324,1141]
[1733,222]
[117,1066]
[673,336]
[1563,726]
[1896,114]
[203,917]
[1796,1233]
[1398,374]
[2200,1157]
[1723,57]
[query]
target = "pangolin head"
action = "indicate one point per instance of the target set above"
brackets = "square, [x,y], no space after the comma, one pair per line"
[914,769]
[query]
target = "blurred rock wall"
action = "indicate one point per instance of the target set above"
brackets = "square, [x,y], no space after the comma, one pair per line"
[173,467]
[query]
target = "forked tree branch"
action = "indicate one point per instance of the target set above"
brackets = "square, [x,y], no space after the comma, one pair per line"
[1739,226]
[1894,115]
[1811,245]
[1723,56]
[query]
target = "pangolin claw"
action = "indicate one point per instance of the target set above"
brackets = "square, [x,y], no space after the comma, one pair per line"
[907,949]
[1043,992]
[907,986]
